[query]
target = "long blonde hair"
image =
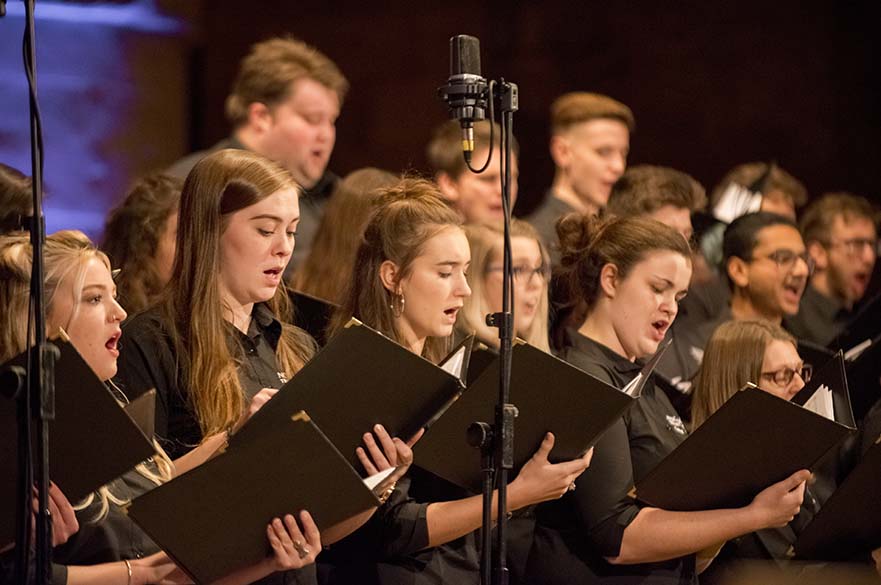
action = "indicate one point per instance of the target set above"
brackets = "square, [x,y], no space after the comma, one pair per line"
[66,256]
[219,185]
[486,243]
[733,357]
[408,215]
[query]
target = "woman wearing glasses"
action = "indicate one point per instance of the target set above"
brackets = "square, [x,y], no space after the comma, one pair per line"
[530,266]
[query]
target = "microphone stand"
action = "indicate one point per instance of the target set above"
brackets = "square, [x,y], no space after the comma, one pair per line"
[37,395]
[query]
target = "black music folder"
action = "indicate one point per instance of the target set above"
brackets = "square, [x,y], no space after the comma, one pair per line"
[212,520]
[312,314]
[91,441]
[754,440]
[849,523]
[360,379]
[827,393]
[142,411]
[550,395]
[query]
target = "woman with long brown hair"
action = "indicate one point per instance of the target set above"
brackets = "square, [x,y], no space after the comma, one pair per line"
[81,300]
[218,345]
[409,282]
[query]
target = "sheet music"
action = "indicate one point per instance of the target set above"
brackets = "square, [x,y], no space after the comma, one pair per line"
[736,201]
[821,402]
[854,352]
[455,363]
[634,387]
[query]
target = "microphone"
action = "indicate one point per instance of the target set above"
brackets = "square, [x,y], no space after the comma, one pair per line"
[466,90]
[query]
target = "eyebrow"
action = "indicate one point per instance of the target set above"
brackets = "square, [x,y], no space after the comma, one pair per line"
[273,218]
[451,263]
[101,287]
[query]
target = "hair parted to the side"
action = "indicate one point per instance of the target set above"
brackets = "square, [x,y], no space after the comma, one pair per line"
[486,242]
[268,70]
[66,255]
[220,184]
[779,180]
[132,234]
[816,222]
[580,106]
[326,271]
[408,214]
[588,242]
[444,150]
[733,357]
[644,189]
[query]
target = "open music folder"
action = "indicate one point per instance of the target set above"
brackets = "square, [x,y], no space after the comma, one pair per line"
[212,520]
[754,440]
[550,395]
[849,523]
[360,379]
[91,441]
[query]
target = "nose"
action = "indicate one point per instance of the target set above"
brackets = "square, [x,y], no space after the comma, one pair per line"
[797,383]
[462,288]
[618,163]
[117,313]
[327,132]
[284,245]
[801,267]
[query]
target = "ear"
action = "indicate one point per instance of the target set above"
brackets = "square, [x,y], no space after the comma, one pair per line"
[819,254]
[259,116]
[389,274]
[448,187]
[560,150]
[738,271]
[609,280]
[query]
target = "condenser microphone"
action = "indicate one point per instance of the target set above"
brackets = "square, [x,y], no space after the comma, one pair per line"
[466,90]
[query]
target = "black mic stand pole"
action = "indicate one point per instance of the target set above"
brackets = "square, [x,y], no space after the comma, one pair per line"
[39,396]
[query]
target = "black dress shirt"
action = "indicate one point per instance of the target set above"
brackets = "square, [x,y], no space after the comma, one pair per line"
[819,319]
[575,533]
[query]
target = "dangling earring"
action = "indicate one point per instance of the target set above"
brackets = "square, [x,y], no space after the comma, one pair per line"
[397,304]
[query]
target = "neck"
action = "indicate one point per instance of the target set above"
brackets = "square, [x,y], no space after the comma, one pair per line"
[235,312]
[246,137]
[408,337]
[742,308]
[563,190]
[820,283]
[599,327]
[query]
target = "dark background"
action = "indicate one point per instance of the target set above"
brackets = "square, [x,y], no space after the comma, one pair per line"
[131,85]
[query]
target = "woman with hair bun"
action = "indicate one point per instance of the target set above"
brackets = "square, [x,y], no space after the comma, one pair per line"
[631,273]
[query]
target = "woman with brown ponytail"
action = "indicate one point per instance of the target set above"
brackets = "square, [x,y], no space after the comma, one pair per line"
[631,273]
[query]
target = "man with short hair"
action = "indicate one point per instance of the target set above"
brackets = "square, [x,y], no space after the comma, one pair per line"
[476,196]
[840,232]
[284,105]
[662,193]
[590,141]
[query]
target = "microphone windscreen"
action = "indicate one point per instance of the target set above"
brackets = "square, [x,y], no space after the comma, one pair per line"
[464,55]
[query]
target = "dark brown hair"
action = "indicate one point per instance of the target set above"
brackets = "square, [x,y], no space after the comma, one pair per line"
[444,151]
[816,223]
[644,189]
[325,273]
[131,238]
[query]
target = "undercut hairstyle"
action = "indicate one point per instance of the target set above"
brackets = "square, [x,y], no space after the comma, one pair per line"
[589,242]
[326,271]
[576,107]
[733,357]
[16,199]
[742,235]
[444,150]
[486,243]
[644,189]
[267,73]
[132,234]
[220,184]
[748,174]
[816,223]
[408,215]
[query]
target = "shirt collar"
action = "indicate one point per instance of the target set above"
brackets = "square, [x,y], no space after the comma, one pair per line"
[595,349]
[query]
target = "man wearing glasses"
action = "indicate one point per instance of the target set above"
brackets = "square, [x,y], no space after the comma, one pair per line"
[840,232]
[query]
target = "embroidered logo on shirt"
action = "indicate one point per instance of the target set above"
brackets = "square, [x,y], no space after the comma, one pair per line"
[282,378]
[674,423]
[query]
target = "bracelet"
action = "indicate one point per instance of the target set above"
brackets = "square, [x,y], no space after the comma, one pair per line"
[128,567]
[383,498]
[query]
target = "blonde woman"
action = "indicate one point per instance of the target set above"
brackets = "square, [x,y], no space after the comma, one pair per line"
[531,272]
[80,295]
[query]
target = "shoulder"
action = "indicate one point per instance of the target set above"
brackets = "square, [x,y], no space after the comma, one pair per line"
[182,167]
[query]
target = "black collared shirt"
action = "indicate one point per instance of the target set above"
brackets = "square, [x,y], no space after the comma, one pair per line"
[819,319]
[147,360]
[573,534]
[544,220]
